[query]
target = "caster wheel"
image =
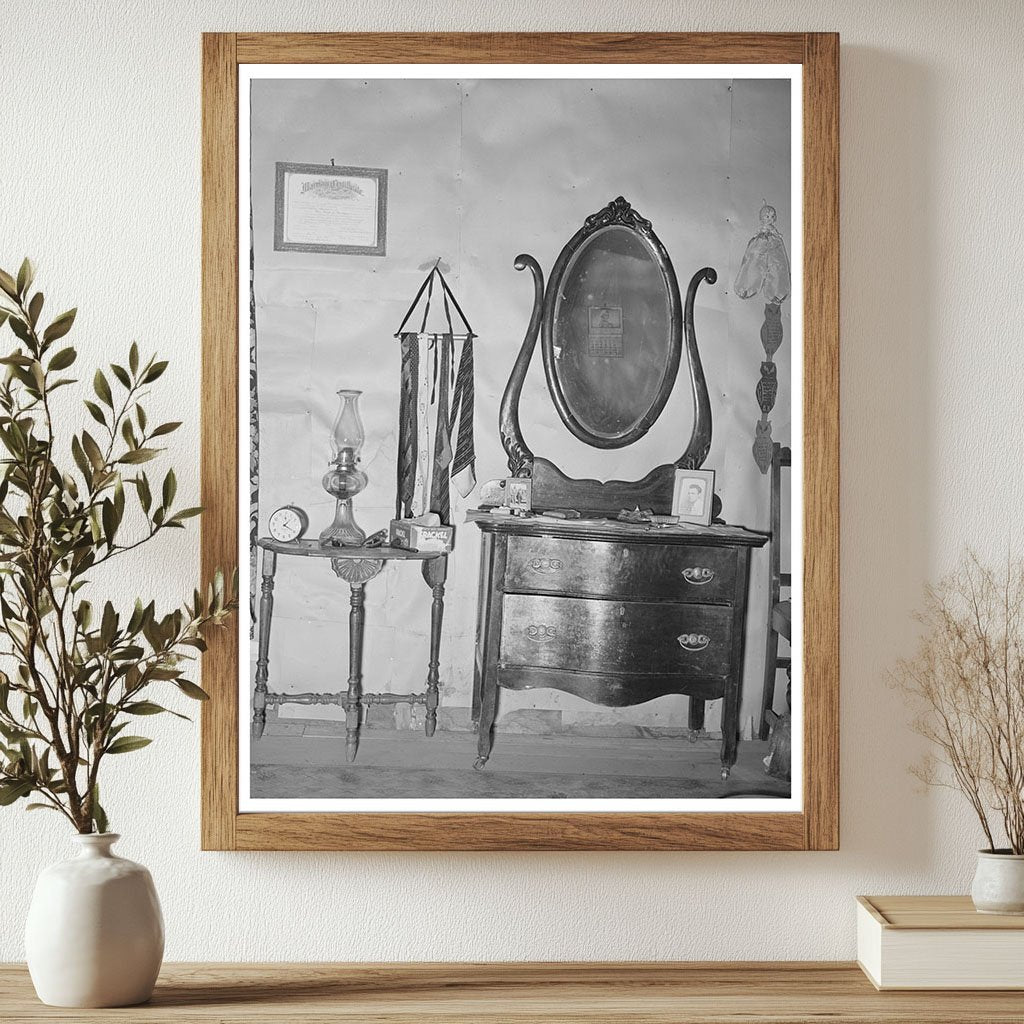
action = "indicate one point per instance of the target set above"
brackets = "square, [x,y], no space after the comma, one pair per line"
[694,733]
[479,763]
[725,773]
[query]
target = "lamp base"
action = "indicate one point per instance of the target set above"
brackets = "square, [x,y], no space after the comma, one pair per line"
[343,532]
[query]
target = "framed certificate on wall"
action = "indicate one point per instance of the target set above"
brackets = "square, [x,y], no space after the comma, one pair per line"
[330,209]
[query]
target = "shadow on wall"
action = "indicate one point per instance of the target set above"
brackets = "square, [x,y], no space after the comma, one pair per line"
[887,209]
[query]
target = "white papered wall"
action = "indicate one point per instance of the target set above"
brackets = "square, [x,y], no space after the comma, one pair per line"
[100,176]
[478,172]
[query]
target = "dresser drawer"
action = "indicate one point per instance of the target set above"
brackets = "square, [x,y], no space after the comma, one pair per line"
[580,635]
[671,572]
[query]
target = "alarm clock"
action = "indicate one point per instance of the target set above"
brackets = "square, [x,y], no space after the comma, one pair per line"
[288,523]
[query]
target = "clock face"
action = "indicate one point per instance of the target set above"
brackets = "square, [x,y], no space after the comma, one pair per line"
[288,523]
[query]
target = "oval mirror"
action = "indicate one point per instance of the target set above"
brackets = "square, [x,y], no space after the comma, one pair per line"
[612,330]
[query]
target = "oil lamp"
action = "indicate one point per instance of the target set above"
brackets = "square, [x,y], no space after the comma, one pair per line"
[344,480]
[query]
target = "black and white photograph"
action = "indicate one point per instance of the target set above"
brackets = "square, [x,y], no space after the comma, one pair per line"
[691,499]
[523,510]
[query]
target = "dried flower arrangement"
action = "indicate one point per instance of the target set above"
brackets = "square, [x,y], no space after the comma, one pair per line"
[966,681]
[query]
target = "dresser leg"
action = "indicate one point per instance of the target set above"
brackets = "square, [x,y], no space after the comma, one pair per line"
[730,728]
[356,621]
[435,571]
[488,712]
[696,715]
[259,699]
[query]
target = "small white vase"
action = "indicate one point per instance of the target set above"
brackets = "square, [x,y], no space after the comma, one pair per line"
[95,934]
[999,882]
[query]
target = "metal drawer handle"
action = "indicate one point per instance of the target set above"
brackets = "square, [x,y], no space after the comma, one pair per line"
[698,575]
[546,566]
[541,633]
[693,641]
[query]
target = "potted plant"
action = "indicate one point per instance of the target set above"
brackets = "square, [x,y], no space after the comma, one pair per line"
[79,672]
[967,682]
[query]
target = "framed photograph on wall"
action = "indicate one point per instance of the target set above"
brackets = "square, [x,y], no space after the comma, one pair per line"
[328,209]
[579,672]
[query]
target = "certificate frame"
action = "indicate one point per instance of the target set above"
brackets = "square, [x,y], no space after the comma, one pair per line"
[816,825]
[290,230]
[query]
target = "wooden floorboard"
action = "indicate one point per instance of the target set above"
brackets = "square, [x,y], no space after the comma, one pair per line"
[407,765]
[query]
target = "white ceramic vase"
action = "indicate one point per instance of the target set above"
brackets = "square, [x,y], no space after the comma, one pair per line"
[95,934]
[999,883]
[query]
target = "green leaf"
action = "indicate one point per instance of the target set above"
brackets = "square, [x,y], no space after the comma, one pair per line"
[84,614]
[191,690]
[147,707]
[109,519]
[41,807]
[170,488]
[185,513]
[35,308]
[95,412]
[63,359]
[20,329]
[26,274]
[166,428]
[60,326]
[102,388]
[121,374]
[139,455]
[92,449]
[126,744]
[7,283]
[108,625]
[80,458]
[145,497]
[99,816]
[11,791]
[154,371]
[133,358]
[128,433]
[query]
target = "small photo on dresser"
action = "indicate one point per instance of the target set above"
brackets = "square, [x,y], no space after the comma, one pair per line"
[692,496]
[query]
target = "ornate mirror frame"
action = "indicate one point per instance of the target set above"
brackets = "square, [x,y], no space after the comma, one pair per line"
[618,214]
[551,487]
[224,389]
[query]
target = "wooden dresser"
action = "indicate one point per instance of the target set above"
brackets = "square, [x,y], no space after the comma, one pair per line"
[616,613]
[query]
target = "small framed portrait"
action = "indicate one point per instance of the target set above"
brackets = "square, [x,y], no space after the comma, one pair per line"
[693,494]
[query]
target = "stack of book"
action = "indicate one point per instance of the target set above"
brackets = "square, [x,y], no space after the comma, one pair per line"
[938,942]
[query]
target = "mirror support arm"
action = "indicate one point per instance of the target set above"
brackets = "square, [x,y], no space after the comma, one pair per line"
[520,458]
[700,437]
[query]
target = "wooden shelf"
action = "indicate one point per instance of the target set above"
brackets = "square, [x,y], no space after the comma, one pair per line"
[780,993]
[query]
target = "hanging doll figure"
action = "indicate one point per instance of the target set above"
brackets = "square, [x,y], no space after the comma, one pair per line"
[765,266]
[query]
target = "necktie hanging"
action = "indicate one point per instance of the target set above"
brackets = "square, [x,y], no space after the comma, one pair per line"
[436,407]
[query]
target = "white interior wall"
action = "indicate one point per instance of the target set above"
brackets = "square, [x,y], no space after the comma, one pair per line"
[100,177]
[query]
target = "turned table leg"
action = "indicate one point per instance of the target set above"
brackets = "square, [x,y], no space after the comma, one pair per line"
[435,572]
[259,699]
[356,572]
[353,707]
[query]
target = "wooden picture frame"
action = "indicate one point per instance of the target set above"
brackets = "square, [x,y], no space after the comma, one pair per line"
[816,827]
